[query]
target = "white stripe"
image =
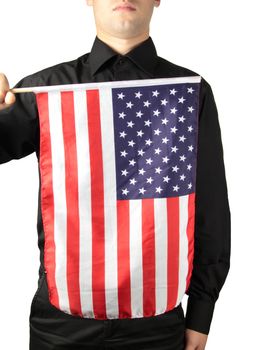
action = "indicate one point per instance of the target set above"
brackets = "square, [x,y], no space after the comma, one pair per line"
[161,253]
[183,246]
[84,186]
[60,210]
[136,260]
[110,213]
[117,84]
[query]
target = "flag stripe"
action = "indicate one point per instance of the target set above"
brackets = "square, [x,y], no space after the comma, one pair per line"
[124,283]
[161,253]
[60,208]
[47,198]
[84,198]
[148,252]
[183,246]
[190,234]
[136,259]
[110,212]
[71,184]
[97,195]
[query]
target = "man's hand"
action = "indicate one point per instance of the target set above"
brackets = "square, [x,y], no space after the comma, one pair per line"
[195,340]
[7,98]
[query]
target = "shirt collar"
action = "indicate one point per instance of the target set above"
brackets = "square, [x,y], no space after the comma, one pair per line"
[144,55]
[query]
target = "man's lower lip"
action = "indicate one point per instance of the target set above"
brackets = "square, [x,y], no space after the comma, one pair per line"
[125,9]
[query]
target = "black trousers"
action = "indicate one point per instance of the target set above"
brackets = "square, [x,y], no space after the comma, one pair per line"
[52,329]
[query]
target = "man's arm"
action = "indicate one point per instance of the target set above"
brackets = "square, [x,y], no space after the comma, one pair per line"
[19,129]
[212,219]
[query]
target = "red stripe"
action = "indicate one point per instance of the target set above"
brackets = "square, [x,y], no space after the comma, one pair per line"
[173,251]
[97,200]
[148,249]
[190,236]
[124,293]
[47,197]
[72,204]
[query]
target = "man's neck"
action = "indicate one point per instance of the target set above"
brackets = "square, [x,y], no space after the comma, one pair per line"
[122,45]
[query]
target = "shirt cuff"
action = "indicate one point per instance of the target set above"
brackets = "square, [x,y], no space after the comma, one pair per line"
[199,315]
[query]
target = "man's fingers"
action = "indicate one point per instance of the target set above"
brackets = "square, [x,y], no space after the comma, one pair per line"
[6,97]
[10,98]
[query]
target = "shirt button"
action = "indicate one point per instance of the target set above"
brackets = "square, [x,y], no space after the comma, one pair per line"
[121,61]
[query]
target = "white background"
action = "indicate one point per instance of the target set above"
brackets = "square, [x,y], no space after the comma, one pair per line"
[231,45]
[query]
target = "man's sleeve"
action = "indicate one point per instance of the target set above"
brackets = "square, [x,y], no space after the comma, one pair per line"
[19,126]
[212,240]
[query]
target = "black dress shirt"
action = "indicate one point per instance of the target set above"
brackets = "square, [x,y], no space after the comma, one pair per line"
[19,137]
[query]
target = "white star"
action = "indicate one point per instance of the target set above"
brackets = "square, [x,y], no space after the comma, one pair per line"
[158,170]
[123,134]
[132,162]
[147,122]
[175,169]
[148,142]
[147,103]
[166,179]
[190,109]
[139,114]
[181,99]
[132,181]
[182,158]
[165,159]
[123,153]
[190,148]
[124,172]
[173,110]
[140,133]
[142,190]
[155,93]
[130,124]
[142,171]
[190,90]
[164,102]
[174,149]
[129,104]
[125,191]
[158,189]
[156,112]
[182,138]
[122,115]
[157,150]
[181,119]
[121,96]
[182,177]
[165,121]
[138,94]
[157,132]
[190,128]
[131,143]
[141,152]
[176,188]
[165,140]
[189,166]
[174,129]
[149,180]
[173,92]
[190,186]
[149,161]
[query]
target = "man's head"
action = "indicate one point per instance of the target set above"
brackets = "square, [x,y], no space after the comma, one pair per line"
[124,19]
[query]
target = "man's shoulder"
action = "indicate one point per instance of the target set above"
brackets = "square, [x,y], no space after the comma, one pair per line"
[67,71]
[171,69]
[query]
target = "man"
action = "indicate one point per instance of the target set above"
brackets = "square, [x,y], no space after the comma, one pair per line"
[123,50]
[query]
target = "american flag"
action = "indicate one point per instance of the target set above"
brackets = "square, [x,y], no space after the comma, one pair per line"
[118,170]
